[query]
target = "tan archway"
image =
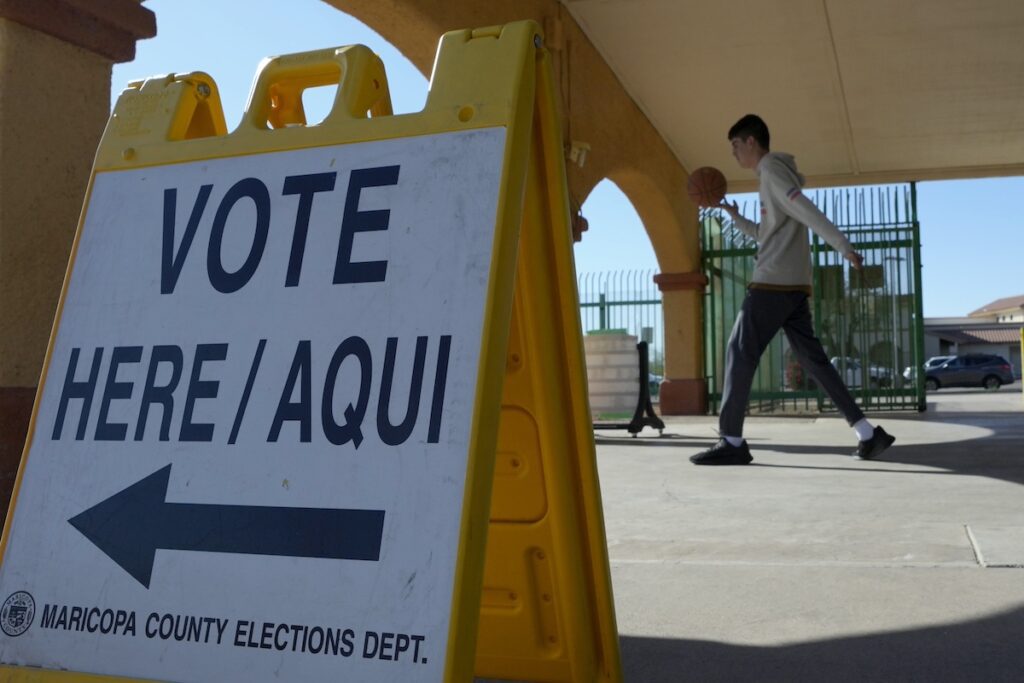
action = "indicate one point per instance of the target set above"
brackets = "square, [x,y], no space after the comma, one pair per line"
[671,223]
[624,147]
[660,214]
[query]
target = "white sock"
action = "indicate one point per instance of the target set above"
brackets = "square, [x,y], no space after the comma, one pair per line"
[735,441]
[865,430]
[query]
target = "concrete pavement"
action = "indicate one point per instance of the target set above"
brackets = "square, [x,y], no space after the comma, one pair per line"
[809,565]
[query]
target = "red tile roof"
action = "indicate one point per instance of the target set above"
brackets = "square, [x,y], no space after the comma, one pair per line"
[962,335]
[994,336]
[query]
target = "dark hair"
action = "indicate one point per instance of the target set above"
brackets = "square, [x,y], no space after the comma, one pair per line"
[751,125]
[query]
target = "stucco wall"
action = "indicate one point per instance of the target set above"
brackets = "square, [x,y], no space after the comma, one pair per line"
[54,102]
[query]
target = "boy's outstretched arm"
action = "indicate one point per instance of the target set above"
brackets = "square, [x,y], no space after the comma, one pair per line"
[785,188]
[746,226]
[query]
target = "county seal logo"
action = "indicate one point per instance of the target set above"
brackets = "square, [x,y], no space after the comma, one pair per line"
[17,613]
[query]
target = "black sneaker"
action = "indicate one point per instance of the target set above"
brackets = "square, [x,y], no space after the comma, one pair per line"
[879,441]
[723,453]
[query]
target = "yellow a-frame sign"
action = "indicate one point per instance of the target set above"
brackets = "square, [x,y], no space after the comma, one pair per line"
[314,406]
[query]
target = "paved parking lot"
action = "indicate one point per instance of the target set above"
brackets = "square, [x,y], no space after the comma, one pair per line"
[809,565]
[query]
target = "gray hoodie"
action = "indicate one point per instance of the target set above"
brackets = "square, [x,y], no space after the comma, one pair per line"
[783,248]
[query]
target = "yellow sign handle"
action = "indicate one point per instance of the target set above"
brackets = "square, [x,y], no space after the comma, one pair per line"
[276,97]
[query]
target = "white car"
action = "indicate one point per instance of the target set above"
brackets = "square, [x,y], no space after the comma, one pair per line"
[853,373]
[933,362]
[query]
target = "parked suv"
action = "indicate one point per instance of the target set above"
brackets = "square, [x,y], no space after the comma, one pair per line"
[970,370]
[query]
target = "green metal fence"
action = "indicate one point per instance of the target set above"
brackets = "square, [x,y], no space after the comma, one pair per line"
[625,300]
[870,321]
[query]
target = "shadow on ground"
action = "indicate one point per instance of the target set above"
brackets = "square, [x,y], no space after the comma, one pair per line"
[984,650]
[1000,455]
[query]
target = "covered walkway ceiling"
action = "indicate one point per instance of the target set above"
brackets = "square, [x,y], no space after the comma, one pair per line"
[862,91]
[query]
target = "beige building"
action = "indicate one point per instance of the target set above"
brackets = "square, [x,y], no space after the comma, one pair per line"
[1007,310]
[994,328]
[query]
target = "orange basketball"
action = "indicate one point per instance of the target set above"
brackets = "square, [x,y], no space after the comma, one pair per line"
[706,186]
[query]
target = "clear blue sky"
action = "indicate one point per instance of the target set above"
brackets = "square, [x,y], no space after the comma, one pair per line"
[972,230]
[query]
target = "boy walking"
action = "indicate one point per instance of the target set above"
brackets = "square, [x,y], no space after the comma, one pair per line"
[777,296]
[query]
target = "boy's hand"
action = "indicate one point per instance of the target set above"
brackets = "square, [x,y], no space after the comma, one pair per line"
[856,259]
[732,209]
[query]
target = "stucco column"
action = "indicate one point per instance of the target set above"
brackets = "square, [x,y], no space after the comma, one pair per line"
[684,389]
[55,63]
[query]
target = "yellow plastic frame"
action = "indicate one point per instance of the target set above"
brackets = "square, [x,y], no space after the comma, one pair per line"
[495,76]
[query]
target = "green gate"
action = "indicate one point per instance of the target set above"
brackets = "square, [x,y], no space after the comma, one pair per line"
[870,321]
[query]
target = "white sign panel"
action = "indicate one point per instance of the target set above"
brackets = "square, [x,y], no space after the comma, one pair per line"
[249,458]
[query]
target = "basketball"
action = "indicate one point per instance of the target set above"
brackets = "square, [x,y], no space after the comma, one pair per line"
[706,186]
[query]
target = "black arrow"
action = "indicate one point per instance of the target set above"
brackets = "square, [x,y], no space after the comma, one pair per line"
[131,525]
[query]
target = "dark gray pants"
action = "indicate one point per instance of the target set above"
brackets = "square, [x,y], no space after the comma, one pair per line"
[763,313]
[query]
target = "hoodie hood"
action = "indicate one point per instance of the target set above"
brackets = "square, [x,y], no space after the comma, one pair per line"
[787,160]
